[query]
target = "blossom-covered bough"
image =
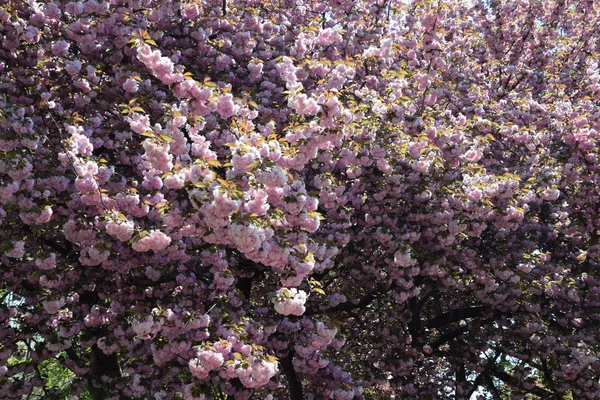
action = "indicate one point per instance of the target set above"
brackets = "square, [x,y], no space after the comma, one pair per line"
[290,199]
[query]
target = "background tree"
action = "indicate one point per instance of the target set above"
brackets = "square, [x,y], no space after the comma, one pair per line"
[299,199]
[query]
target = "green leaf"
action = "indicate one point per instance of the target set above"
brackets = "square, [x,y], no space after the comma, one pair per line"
[271,358]
[167,138]
[315,282]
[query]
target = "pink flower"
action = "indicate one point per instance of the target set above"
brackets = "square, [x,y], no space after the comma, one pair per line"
[139,123]
[92,256]
[52,11]
[223,281]
[73,67]
[248,238]
[182,89]
[336,299]
[287,71]
[158,156]
[226,106]
[52,306]
[404,259]
[18,250]
[341,394]
[60,48]
[130,85]
[19,174]
[272,177]
[80,144]
[259,204]
[174,181]
[384,166]
[255,69]
[144,328]
[155,241]
[223,61]
[44,216]
[473,155]
[550,194]
[152,273]
[149,57]
[206,361]
[474,194]
[328,36]
[86,185]
[31,35]
[422,166]
[223,204]
[290,301]
[46,264]
[241,162]
[161,67]
[74,8]
[304,105]
[190,12]
[122,230]
[258,374]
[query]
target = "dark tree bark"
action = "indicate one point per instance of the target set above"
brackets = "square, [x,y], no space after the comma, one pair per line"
[102,365]
[245,286]
[294,383]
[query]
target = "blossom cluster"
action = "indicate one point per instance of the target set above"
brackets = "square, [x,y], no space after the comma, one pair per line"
[290,301]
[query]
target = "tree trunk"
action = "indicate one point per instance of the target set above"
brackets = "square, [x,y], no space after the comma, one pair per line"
[102,365]
[294,383]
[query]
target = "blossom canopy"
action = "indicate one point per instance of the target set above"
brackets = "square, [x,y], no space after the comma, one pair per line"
[298,199]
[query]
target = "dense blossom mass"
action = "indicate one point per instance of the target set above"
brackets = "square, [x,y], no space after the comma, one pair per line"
[298,199]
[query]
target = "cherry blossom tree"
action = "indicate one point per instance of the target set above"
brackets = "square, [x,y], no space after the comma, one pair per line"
[299,199]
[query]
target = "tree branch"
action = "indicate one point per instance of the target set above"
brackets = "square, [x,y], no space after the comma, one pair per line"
[415,321]
[345,306]
[455,316]
[516,383]
[449,336]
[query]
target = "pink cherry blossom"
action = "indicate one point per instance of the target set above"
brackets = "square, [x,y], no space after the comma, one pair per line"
[226,106]
[290,301]
[154,240]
